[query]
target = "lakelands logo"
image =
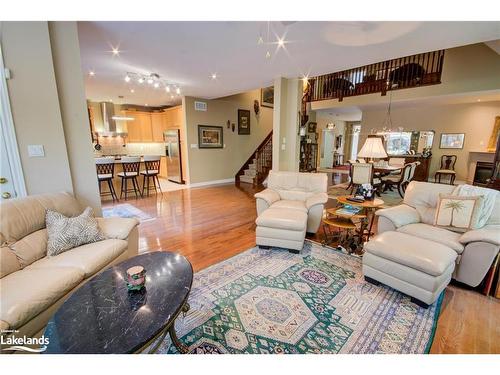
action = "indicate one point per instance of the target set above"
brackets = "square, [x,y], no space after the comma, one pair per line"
[24,343]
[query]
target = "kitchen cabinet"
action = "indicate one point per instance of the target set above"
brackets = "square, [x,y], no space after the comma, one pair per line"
[158,126]
[163,167]
[139,129]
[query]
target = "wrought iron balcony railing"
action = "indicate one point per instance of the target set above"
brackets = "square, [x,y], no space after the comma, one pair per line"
[401,73]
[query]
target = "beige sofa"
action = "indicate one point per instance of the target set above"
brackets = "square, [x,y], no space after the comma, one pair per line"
[291,205]
[32,285]
[412,255]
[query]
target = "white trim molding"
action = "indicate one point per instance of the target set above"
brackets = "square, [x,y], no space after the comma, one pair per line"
[213,182]
[9,134]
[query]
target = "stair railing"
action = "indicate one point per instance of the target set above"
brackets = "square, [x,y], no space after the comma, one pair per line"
[263,160]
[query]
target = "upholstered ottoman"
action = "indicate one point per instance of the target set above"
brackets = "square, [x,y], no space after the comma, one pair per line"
[281,227]
[415,266]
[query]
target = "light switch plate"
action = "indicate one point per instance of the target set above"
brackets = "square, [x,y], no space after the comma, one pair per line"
[194,145]
[283,147]
[36,151]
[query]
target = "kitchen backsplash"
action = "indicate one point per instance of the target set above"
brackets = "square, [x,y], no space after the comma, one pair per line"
[114,146]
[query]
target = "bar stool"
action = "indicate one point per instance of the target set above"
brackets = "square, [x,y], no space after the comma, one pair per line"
[105,168]
[447,169]
[152,164]
[130,166]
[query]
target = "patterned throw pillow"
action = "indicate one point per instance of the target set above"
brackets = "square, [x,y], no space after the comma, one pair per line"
[65,233]
[457,213]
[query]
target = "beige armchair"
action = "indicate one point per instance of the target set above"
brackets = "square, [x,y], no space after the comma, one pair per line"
[291,205]
[34,285]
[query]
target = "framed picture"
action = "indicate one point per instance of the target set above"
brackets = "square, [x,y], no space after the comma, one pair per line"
[210,136]
[452,140]
[267,97]
[243,121]
[311,127]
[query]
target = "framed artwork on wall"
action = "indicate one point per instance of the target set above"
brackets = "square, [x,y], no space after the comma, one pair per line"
[452,140]
[311,127]
[243,121]
[267,97]
[210,136]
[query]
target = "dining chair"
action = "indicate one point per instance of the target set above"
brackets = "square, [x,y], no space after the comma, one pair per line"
[362,173]
[447,169]
[130,166]
[105,168]
[400,181]
[150,174]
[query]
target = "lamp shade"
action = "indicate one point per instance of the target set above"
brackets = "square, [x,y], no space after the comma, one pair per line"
[373,148]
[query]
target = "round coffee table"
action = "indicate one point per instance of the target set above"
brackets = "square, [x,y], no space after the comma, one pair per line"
[102,316]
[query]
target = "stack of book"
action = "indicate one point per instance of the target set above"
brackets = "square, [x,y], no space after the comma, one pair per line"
[348,210]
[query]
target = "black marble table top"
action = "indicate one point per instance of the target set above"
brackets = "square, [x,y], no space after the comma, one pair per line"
[102,316]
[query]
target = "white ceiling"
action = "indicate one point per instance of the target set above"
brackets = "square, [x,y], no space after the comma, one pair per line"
[189,52]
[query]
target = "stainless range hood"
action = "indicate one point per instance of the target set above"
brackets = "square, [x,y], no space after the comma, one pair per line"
[109,121]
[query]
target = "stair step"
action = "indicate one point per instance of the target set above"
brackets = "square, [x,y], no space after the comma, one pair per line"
[250,172]
[247,179]
[252,166]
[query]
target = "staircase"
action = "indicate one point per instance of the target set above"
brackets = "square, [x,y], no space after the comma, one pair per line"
[258,165]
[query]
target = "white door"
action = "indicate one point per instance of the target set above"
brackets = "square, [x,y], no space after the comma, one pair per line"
[7,189]
[356,129]
[11,175]
[327,148]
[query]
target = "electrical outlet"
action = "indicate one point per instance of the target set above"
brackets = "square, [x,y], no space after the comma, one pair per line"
[36,151]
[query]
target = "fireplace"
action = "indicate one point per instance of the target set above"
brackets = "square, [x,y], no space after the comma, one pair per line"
[482,173]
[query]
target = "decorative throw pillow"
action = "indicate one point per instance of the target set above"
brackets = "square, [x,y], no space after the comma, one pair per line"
[65,233]
[457,213]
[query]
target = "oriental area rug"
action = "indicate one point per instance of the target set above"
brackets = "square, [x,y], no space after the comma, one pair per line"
[272,301]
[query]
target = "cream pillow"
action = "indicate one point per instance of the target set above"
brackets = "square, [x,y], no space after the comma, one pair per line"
[457,213]
[65,233]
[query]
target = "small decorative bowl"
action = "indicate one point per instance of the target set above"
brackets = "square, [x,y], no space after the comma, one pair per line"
[136,278]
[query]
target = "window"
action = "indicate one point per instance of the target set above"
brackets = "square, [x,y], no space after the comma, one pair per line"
[397,143]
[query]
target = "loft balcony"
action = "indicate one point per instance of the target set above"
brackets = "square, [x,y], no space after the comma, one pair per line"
[405,72]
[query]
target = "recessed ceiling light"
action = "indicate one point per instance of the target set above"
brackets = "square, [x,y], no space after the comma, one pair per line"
[156,85]
[147,105]
[260,41]
[127,78]
[110,100]
[268,55]
[281,42]
[214,75]
[115,51]
[171,96]
[150,81]
[132,91]
[140,80]
[479,100]
[91,73]
[167,89]
[178,91]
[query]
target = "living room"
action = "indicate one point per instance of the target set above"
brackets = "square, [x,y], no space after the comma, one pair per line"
[282,187]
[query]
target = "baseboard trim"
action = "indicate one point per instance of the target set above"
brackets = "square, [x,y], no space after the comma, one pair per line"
[213,182]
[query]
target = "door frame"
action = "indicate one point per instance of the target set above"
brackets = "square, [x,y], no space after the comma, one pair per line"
[8,132]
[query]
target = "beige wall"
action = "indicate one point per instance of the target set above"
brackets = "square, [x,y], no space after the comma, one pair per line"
[466,69]
[48,107]
[221,164]
[71,91]
[35,105]
[474,119]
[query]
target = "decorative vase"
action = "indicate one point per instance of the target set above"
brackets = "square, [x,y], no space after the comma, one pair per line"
[136,278]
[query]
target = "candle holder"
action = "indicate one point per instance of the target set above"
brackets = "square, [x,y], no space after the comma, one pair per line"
[136,278]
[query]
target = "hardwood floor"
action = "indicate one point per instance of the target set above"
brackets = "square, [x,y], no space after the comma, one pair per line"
[208,225]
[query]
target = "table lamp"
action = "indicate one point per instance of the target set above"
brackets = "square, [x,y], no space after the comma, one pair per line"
[373,148]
